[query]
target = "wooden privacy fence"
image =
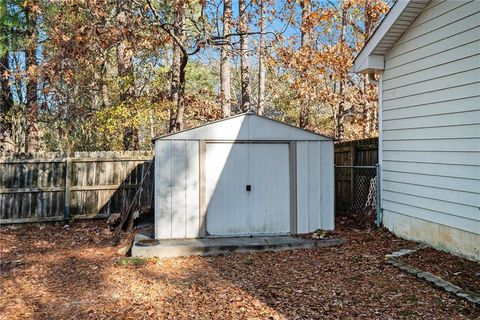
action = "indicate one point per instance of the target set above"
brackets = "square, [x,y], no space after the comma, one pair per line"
[354,169]
[357,152]
[54,186]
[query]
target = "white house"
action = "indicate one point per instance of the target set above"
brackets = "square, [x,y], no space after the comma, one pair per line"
[427,55]
[244,175]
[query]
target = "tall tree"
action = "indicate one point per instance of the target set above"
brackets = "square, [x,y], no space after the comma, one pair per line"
[261,59]
[321,89]
[370,17]
[366,80]
[179,63]
[245,104]
[304,113]
[6,103]
[305,25]
[181,55]
[340,127]
[125,69]
[225,69]
[31,70]
[6,99]
[73,80]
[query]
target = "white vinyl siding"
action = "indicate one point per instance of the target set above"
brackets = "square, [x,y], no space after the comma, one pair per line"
[431,118]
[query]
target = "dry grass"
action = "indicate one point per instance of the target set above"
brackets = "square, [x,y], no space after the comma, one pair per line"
[52,273]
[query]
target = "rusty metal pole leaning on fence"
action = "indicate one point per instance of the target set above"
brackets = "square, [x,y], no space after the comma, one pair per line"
[378,220]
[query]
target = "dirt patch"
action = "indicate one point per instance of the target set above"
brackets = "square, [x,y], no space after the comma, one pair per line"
[459,271]
[53,273]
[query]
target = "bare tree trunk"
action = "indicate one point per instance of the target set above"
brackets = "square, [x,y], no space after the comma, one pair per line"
[6,103]
[367,108]
[304,116]
[368,125]
[341,105]
[174,85]
[31,130]
[125,71]
[150,124]
[179,125]
[225,72]
[340,113]
[305,34]
[104,88]
[101,99]
[245,77]
[177,87]
[6,99]
[303,103]
[261,60]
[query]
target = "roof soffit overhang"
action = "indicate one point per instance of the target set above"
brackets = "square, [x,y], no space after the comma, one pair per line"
[371,58]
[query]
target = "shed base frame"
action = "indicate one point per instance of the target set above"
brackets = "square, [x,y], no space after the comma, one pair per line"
[215,246]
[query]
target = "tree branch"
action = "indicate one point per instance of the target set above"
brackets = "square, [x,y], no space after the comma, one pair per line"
[164,27]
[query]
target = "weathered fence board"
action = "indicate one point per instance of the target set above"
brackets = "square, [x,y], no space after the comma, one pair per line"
[49,186]
[362,152]
[351,154]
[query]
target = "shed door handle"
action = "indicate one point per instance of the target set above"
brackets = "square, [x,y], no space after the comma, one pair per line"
[248,187]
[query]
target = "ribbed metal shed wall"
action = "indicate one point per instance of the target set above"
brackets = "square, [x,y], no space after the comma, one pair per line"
[181,197]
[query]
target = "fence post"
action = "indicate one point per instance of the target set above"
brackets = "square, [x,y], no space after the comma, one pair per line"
[68,176]
[378,220]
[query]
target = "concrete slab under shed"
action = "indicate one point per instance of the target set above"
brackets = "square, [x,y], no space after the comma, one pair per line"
[216,246]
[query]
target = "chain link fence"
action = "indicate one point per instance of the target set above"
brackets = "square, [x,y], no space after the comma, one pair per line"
[356,193]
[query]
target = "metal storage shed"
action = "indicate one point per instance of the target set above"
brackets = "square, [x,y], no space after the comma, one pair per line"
[244,175]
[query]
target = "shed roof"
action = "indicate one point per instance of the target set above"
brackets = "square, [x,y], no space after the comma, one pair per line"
[395,23]
[245,126]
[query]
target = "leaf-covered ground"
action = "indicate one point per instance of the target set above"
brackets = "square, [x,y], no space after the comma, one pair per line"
[459,271]
[54,273]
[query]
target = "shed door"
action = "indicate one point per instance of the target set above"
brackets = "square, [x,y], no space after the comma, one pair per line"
[231,208]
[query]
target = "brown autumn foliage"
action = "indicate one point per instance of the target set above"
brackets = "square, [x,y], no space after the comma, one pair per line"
[318,69]
[100,74]
[459,271]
